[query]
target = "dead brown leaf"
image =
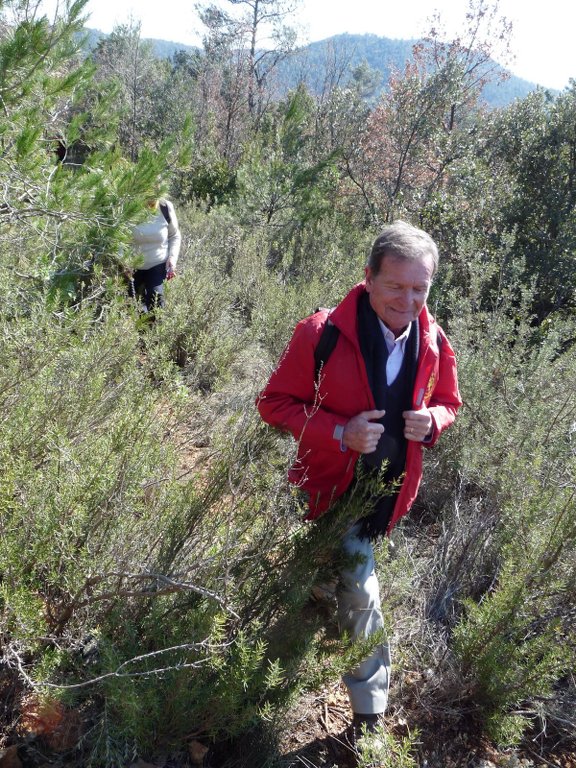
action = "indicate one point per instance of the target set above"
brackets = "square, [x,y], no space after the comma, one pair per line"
[197,752]
[48,718]
[9,758]
[39,715]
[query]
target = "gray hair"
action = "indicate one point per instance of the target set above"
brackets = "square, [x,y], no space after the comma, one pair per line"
[402,241]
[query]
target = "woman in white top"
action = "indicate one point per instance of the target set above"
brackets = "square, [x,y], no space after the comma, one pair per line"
[157,242]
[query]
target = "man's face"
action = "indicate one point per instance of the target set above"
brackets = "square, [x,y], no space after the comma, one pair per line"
[398,292]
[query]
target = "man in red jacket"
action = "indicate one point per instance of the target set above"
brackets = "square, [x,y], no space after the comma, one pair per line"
[387,388]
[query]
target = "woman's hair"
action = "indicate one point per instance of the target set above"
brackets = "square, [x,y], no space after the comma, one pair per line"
[402,241]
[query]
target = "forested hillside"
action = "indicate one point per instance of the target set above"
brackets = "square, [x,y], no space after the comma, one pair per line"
[314,63]
[154,570]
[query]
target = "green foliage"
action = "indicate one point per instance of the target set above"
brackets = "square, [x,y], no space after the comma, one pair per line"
[126,63]
[515,645]
[154,569]
[280,182]
[514,455]
[387,751]
[210,181]
[537,139]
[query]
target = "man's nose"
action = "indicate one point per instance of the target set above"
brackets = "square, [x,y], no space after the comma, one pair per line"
[407,297]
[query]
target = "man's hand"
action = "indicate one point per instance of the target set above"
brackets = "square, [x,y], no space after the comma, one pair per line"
[360,434]
[417,424]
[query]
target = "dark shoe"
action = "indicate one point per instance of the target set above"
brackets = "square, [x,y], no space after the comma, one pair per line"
[364,726]
[366,723]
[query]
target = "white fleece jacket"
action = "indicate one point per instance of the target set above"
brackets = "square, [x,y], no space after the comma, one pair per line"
[157,241]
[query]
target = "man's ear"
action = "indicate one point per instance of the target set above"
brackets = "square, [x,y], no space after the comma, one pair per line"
[368,276]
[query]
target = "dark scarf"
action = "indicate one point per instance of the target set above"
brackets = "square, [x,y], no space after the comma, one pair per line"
[393,399]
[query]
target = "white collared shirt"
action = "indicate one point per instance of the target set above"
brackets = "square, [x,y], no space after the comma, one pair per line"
[396,348]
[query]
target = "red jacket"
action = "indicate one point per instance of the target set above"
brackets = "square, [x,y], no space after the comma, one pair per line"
[290,402]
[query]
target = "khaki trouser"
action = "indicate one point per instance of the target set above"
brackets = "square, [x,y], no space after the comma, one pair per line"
[359,615]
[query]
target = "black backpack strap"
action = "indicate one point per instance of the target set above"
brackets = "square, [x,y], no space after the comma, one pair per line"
[165,210]
[325,347]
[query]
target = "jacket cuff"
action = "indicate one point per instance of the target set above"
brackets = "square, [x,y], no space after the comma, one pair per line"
[338,434]
[430,437]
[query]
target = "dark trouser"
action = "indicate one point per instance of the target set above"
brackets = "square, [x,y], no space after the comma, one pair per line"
[149,284]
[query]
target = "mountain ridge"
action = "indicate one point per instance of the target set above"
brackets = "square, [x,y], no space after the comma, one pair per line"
[382,54]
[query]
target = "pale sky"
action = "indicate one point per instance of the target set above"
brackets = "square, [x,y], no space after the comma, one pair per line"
[542,40]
